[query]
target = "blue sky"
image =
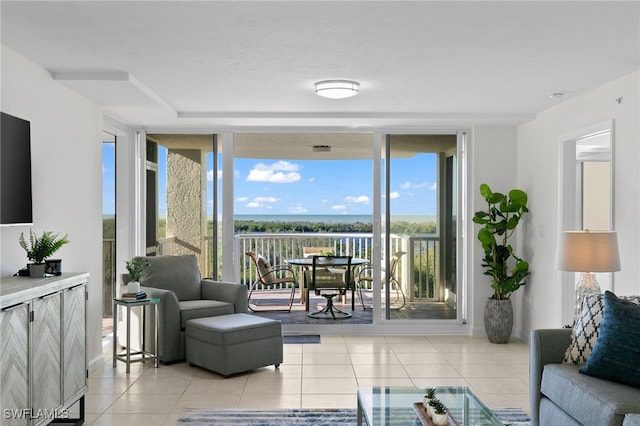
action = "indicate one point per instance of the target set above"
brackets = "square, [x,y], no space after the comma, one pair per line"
[278,187]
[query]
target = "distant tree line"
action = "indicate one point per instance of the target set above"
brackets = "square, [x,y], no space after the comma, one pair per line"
[400,227]
[253,226]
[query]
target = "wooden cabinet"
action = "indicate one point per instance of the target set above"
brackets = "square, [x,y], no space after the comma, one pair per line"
[14,365]
[74,342]
[43,360]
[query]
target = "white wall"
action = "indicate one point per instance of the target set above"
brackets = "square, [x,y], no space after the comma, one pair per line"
[537,161]
[493,155]
[66,144]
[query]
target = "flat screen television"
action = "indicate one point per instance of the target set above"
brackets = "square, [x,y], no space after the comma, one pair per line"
[16,207]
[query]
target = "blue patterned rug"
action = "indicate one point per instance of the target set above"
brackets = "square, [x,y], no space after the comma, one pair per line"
[316,417]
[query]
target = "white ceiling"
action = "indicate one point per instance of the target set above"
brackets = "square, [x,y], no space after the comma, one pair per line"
[251,65]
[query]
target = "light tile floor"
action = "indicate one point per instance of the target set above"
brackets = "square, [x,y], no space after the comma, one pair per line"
[313,376]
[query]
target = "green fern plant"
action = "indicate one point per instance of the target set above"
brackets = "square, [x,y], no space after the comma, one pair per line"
[40,248]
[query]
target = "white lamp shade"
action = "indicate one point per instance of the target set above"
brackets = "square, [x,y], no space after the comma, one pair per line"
[588,251]
[337,89]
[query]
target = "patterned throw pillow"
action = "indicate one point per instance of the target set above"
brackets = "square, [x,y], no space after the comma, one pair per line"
[586,328]
[616,355]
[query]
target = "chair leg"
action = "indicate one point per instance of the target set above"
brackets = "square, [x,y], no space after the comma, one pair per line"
[395,284]
[330,311]
[278,307]
[364,307]
[353,298]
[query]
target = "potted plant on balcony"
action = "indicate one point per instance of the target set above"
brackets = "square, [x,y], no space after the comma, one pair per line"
[40,249]
[507,270]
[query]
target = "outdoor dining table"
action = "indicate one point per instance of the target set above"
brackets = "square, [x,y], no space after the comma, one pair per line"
[307,262]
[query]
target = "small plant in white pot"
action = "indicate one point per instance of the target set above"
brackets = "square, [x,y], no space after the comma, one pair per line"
[429,395]
[440,417]
[136,268]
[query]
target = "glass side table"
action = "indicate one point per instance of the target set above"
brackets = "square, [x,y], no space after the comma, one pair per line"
[142,355]
[389,405]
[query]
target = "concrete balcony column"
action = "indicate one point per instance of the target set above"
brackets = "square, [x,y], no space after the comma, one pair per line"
[186,185]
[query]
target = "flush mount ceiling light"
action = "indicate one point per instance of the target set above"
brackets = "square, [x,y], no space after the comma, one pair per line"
[337,89]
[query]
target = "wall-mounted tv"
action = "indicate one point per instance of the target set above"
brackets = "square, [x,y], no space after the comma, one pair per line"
[16,206]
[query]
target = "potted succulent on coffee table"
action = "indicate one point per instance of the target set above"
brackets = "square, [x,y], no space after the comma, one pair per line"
[439,416]
[39,249]
[507,270]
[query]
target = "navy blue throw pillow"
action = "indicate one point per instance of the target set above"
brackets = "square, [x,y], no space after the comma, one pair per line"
[616,354]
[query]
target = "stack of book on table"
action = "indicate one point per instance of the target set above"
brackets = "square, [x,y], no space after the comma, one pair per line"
[133,297]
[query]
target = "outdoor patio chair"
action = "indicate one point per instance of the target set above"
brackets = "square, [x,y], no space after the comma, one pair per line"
[330,273]
[364,280]
[273,277]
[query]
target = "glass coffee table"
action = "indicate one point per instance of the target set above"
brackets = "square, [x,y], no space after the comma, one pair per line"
[388,405]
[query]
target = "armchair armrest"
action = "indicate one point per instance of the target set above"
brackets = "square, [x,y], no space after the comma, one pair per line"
[168,322]
[547,346]
[227,292]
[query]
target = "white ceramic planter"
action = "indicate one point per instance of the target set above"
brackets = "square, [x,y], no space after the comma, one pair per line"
[133,287]
[440,419]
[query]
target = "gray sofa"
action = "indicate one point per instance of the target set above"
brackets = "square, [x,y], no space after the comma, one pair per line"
[184,295]
[560,395]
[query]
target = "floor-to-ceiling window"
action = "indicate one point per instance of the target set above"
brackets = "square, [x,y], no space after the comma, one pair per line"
[279,193]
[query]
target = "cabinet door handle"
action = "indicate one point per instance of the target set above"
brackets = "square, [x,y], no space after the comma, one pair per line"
[13,307]
[47,296]
[75,287]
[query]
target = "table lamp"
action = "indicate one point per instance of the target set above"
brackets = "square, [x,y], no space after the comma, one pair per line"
[587,252]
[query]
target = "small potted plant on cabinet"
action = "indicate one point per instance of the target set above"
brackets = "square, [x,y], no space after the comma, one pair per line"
[39,249]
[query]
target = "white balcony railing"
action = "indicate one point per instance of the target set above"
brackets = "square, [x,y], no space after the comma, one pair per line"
[418,271]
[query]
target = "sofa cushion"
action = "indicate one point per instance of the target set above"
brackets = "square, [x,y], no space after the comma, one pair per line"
[191,309]
[179,274]
[586,327]
[616,354]
[589,400]
[233,329]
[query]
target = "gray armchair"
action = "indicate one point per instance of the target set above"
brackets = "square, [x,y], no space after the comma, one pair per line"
[184,295]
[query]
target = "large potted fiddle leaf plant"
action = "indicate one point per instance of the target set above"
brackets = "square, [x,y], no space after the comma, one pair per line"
[508,272]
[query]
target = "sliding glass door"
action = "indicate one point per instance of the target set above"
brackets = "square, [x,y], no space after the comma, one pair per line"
[419,223]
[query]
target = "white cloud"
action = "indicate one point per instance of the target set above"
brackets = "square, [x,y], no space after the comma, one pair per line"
[362,199]
[236,173]
[393,195]
[278,172]
[297,210]
[338,207]
[254,205]
[419,185]
[242,199]
[265,199]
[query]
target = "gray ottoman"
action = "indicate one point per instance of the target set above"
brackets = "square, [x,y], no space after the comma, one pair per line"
[631,420]
[229,344]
